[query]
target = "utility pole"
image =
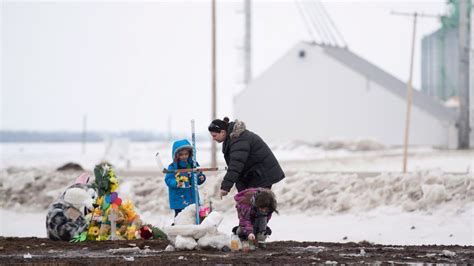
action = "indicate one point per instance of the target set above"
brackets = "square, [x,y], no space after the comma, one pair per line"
[471,76]
[463,76]
[248,43]
[214,114]
[409,85]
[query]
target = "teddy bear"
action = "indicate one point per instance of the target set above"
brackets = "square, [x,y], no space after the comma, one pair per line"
[66,216]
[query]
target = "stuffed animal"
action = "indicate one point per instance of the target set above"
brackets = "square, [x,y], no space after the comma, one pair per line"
[66,216]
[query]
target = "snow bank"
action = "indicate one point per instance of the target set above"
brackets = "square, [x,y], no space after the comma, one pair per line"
[307,192]
[426,206]
[337,193]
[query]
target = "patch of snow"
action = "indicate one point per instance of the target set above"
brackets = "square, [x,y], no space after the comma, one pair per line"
[215,240]
[184,242]
[314,249]
[123,250]
[169,248]
[128,258]
[448,253]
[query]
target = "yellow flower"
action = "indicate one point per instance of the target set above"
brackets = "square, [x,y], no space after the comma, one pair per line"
[93,230]
[131,232]
[113,183]
[97,212]
[113,187]
[127,208]
[182,178]
[100,201]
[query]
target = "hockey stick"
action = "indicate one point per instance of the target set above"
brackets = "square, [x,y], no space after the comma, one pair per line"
[204,169]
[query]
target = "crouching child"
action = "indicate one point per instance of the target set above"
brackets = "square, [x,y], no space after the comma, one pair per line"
[254,208]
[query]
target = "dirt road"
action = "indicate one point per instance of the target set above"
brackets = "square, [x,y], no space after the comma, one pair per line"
[40,250]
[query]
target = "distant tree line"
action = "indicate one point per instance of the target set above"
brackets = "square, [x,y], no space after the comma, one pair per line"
[64,136]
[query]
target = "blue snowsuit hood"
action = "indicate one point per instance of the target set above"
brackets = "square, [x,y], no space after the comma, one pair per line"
[180,197]
[180,145]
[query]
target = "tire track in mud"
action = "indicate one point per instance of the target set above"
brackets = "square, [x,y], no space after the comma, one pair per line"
[40,250]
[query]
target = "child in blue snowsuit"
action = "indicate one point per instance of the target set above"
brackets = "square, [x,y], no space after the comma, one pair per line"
[180,185]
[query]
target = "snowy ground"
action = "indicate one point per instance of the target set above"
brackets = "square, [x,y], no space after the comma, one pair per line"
[380,226]
[337,195]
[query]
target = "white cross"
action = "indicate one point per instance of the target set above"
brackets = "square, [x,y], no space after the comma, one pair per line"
[113,225]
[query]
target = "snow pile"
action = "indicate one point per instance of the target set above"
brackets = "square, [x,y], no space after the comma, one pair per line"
[332,193]
[304,151]
[301,191]
[185,234]
[351,145]
[337,193]
[32,189]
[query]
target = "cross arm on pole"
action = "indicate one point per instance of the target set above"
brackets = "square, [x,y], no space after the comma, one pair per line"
[408,14]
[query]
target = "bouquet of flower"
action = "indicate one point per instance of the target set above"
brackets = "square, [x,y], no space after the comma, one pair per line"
[113,218]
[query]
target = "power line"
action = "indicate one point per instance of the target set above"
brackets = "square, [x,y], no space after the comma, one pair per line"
[319,24]
[305,20]
[326,27]
[314,12]
[313,25]
[332,23]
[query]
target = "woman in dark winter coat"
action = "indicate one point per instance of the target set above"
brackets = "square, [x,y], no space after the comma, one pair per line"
[250,162]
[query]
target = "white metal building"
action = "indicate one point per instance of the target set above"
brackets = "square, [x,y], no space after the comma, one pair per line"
[319,93]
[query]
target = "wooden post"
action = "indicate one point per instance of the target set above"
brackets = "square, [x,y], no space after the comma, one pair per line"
[213,115]
[410,83]
[409,98]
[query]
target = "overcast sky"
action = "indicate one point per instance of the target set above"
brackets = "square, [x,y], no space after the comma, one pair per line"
[135,65]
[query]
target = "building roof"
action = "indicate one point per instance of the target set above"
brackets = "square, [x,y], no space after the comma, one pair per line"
[388,81]
[384,79]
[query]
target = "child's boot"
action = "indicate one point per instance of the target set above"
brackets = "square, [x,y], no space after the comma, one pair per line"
[261,238]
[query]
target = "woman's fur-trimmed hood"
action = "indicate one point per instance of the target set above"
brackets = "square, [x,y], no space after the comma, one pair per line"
[238,129]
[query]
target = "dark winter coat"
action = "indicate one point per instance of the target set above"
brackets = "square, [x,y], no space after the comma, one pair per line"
[180,197]
[246,211]
[250,162]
